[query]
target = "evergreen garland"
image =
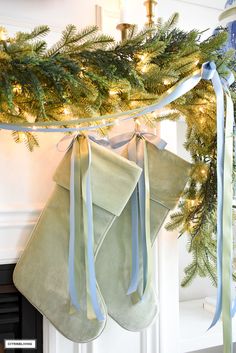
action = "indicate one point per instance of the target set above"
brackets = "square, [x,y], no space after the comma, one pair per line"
[87,74]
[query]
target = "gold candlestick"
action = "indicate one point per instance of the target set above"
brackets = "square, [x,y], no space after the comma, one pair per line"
[124,28]
[150,9]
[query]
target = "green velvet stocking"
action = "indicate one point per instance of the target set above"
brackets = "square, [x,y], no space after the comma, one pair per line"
[168,175]
[41,274]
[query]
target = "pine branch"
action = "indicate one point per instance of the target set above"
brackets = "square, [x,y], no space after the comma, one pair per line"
[40,31]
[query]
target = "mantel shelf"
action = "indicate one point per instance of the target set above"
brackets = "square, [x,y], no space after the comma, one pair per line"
[194,324]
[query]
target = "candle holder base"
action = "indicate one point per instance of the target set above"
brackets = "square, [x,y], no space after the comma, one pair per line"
[150,9]
[124,28]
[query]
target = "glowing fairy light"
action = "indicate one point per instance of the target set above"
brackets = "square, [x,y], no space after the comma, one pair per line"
[202,110]
[113,92]
[144,68]
[17,89]
[166,82]
[3,33]
[116,122]
[22,136]
[66,111]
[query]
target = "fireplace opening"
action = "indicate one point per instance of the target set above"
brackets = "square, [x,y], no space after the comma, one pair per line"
[18,318]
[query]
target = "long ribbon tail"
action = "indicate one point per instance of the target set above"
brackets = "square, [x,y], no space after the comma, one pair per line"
[93,306]
[148,245]
[144,209]
[74,198]
[134,281]
[224,206]
[220,182]
[81,229]
[140,206]
[227,228]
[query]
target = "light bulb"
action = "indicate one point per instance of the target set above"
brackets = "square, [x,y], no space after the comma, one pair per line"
[3,33]
[17,89]
[144,68]
[66,111]
[29,117]
[22,136]
[117,122]
[202,110]
[166,82]
[113,92]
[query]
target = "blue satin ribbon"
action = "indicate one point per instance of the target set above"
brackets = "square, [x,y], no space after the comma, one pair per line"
[83,187]
[123,139]
[139,220]
[139,215]
[224,207]
[209,73]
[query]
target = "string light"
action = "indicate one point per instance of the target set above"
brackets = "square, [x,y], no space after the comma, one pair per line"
[142,57]
[144,68]
[203,172]
[201,121]
[17,89]
[22,136]
[66,111]
[202,110]
[191,226]
[166,82]
[3,33]
[29,117]
[113,92]
[117,122]
[192,202]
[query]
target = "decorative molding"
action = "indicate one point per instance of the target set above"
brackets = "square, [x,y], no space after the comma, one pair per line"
[98,16]
[18,216]
[15,222]
[202,4]
[143,342]
[10,255]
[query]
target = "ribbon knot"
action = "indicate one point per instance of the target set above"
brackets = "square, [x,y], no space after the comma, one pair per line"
[208,70]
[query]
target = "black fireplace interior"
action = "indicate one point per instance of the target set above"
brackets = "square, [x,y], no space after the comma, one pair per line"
[18,318]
